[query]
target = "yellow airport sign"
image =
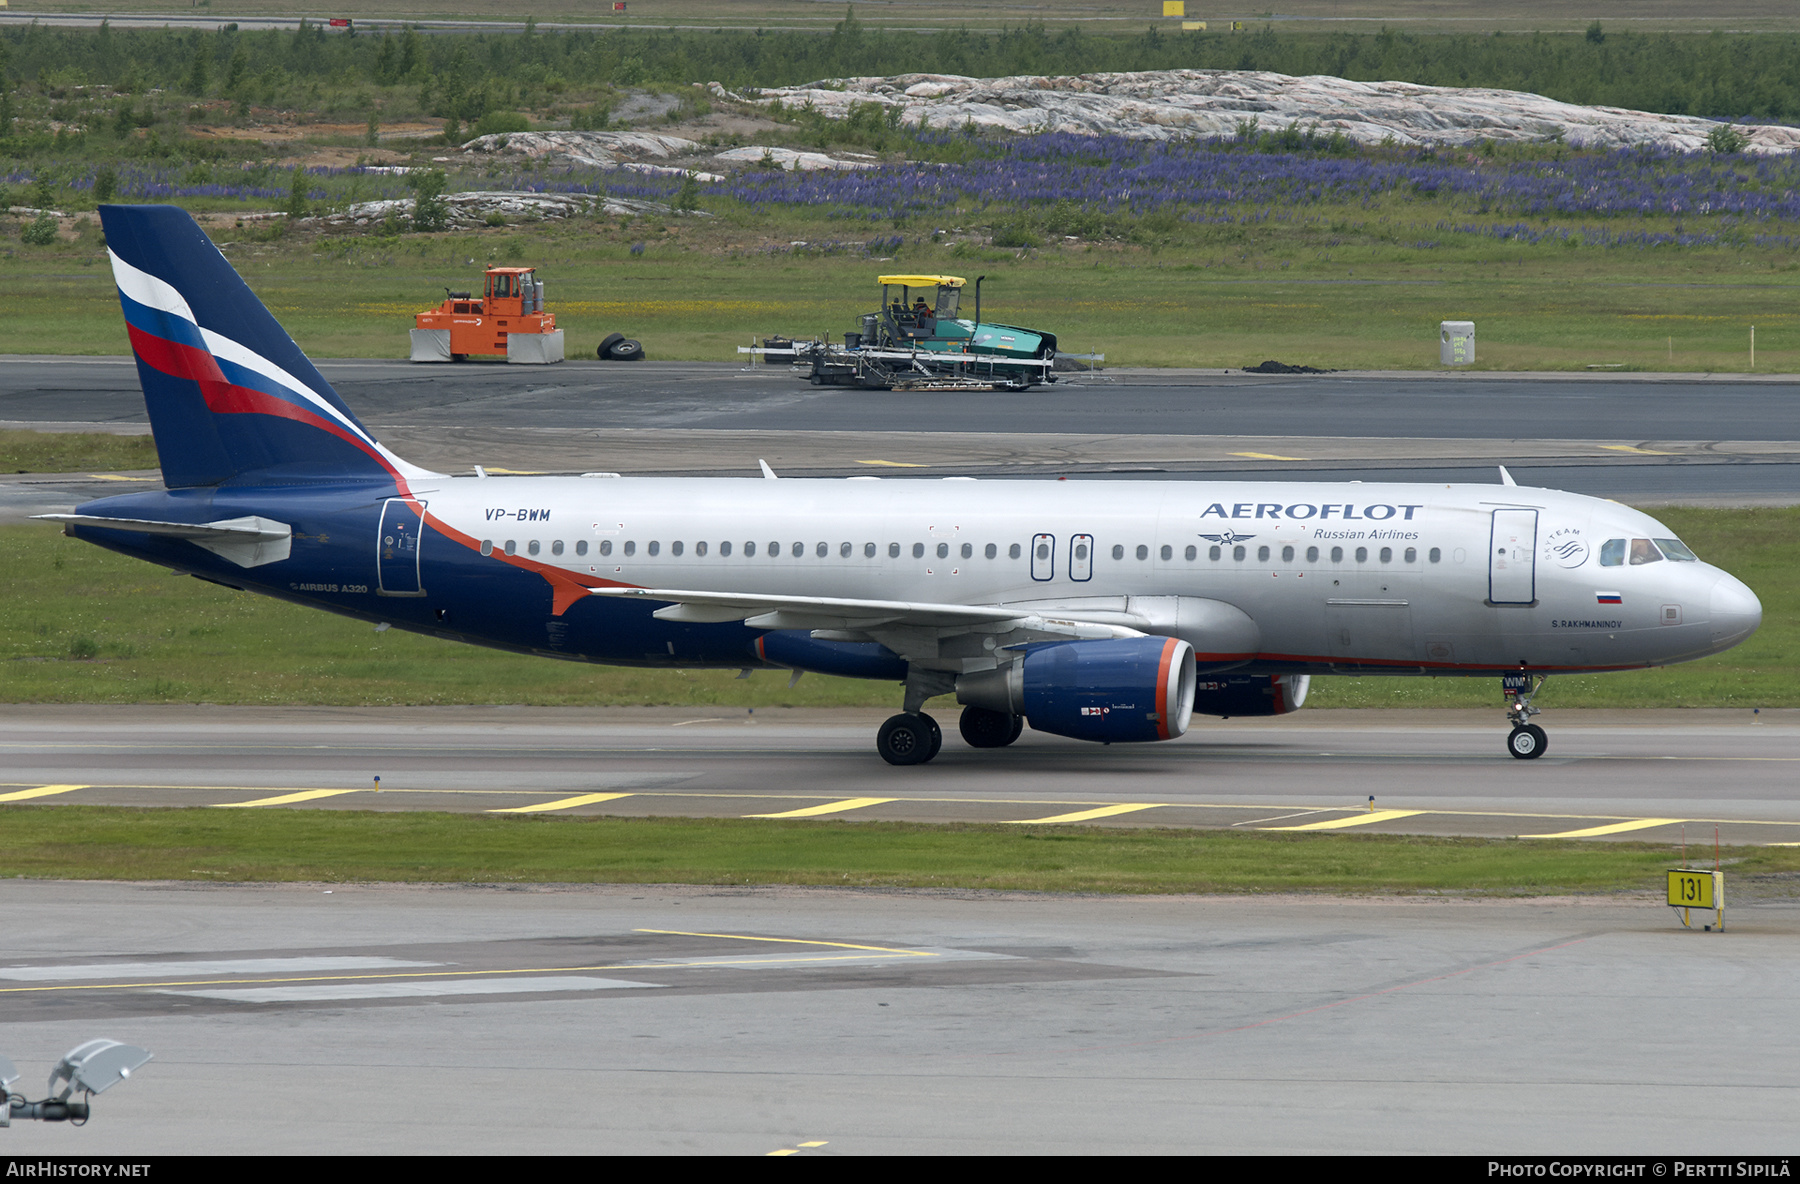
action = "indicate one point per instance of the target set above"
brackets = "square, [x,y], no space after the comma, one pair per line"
[1174,7]
[1696,890]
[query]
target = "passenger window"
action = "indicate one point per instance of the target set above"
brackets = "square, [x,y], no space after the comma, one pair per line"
[1238,553]
[1043,550]
[774,550]
[1412,554]
[675,547]
[943,550]
[991,551]
[1143,552]
[487,546]
[893,550]
[1213,553]
[868,550]
[1262,554]
[844,550]
[1287,554]
[1012,552]
[556,547]
[700,550]
[1644,551]
[1387,554]
[750,550]
[1193,553]
[822,550]
[1677,550]
[512,548]
[1081,551]
[1337,554]
[1118,551]
[606,546]
[918,550]
[1435,555]
[630,547]
[1362,554]
[968,550]
[532,547]
[655,548]
[1312,554]
[725,550]
[1167,552]
[1612,553]
[581,546]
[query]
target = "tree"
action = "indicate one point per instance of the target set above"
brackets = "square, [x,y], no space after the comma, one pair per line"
[1725,140]
[1595,34]
[430,211]
[297,205]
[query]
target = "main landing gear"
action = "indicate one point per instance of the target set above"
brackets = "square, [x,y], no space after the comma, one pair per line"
[1526,741]
[913,739]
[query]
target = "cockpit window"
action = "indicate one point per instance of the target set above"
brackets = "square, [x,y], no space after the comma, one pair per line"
[1677,550]
[1612,553]
[1644,551]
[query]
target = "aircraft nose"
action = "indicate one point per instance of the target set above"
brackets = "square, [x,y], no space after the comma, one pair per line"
[1736,612]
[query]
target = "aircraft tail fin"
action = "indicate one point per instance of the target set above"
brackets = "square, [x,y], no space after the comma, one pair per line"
[229,393]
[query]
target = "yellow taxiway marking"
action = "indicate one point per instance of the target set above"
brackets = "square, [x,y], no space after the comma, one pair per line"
[117,477]
[516,472]
[42,791]
[1633,448]
[561,803]
[1085,815]
[827,808]
[306,795]
[1266,456]
[792,941]
[795,1149]
[1353,820]
[1612,828]
[892,464]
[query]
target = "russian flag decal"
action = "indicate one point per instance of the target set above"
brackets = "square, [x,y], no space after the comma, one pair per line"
[1608,598]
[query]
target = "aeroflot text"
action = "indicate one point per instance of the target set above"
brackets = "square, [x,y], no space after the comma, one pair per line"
[1303,510]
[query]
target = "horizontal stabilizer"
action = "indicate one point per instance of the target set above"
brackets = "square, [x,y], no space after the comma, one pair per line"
[247,542]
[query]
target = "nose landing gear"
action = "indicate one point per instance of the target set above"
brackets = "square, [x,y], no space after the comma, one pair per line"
[1527,741]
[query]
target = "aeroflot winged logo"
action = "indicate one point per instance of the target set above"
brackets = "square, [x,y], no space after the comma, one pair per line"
[1227,538]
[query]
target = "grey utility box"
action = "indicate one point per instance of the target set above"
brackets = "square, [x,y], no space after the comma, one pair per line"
[1456,343]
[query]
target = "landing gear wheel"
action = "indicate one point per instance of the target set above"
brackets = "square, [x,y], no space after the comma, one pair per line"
[908,739]
[983,728]
[1528,743]
[606,344]
[627,351]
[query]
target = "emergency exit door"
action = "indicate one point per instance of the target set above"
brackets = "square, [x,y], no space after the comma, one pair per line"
[1512,557]
[397,547]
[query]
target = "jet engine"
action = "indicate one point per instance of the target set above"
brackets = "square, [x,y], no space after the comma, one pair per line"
[1105,689]
[1251,694]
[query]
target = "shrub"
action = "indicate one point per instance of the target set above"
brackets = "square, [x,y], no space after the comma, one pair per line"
[1726,140]
[430,211]
[496,123]
[42,231]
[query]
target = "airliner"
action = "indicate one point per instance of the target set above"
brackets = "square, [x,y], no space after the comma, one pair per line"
[1101,611]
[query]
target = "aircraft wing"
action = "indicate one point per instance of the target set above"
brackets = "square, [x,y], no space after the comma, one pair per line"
[761,611]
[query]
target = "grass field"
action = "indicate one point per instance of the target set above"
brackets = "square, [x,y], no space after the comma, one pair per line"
[66,452]
[109,843]
[81,625]
[1216,297]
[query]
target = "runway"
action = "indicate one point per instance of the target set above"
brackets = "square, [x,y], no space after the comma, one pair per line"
[1634,775]
[1649,441]
[656,1020]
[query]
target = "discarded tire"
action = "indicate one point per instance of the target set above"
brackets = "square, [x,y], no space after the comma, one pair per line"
[627,351]
[604,353]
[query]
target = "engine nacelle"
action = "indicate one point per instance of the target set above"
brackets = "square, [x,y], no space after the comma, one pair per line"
[1251,694]
[798,649]
[1107,689]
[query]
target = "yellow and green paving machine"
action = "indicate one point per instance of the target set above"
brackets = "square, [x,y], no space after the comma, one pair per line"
[918,340]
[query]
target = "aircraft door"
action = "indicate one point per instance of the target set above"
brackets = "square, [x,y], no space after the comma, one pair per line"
[1512,557]
[397,547]
[1043,556]
[1081,557]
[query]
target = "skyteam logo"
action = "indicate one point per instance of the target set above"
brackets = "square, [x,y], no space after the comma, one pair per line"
[1566,547]
[1228,538]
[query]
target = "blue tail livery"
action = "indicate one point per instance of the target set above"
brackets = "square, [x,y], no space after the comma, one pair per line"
[1109,611]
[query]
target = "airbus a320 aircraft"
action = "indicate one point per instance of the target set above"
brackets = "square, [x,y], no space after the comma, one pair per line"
[1101,611]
